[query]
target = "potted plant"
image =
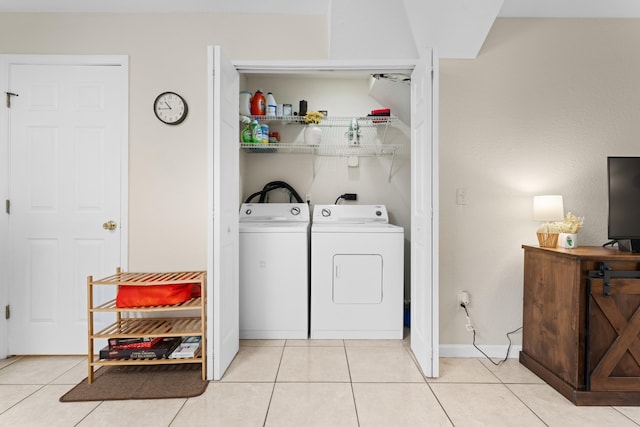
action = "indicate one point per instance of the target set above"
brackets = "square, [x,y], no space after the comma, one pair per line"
[568,230]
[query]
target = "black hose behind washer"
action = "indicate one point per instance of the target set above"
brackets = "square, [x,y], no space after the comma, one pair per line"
[273,185]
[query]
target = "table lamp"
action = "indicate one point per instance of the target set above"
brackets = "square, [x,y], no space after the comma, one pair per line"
[548,208]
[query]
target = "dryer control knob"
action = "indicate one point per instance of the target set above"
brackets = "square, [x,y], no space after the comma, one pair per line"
[326,212]
[248,212]
[295,210]
[378,213]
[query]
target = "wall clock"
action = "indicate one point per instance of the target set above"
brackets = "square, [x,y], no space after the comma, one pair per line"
[170,108]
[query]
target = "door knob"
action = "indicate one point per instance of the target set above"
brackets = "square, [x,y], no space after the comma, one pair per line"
[109,225]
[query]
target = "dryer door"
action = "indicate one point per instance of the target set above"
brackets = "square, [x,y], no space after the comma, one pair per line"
[357,279]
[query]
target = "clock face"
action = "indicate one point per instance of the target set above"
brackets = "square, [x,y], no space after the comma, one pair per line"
[170,108]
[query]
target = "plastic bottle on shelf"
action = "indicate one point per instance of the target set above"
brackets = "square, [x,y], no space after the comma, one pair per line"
[258,104]
[265,133]
[274,137]
[272,106]
[256,132]
[245,103]
[247,135]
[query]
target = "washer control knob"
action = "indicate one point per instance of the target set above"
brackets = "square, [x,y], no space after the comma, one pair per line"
[295,211]
[378,213]
[248,212]
[326,212]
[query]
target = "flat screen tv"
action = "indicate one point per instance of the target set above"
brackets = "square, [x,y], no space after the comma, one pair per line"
[624,202]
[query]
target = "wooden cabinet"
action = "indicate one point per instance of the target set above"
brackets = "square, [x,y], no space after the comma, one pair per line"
[571,326]
[179,320]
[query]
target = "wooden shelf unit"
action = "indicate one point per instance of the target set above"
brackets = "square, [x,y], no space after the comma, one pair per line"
[147,327]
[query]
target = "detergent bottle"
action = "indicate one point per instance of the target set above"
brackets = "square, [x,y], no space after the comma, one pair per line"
[258,104]
[272,106]
[245,103]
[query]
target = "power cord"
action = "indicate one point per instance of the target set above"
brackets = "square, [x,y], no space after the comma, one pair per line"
[346,196]
[469,327]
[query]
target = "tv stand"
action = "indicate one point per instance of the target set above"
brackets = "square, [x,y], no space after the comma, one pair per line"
[579,333]
[629,245]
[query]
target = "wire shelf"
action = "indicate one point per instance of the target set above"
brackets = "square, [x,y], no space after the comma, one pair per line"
[341,150]
[329,121]
[338,137]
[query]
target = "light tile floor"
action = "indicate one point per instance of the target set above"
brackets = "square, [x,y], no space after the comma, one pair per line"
[311,383]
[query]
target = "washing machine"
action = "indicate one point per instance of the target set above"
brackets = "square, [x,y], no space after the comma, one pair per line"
[357,273]
[274,271]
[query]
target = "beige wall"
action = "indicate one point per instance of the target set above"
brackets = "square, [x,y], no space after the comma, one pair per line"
[537,112]
[167,165]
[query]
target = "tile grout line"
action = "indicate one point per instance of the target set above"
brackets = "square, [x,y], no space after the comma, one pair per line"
[80,362]
[91,411]
[623,414]
[440,403]
[40,387]
[179,410]
[275,381]
[353,394]
[525,404]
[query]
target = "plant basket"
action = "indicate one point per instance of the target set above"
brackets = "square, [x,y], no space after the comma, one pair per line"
[548,240]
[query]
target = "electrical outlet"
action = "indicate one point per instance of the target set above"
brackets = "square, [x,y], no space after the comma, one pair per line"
[462,297]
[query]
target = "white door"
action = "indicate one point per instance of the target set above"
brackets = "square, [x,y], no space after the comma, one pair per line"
[424,214]
[67,125]
[223,314]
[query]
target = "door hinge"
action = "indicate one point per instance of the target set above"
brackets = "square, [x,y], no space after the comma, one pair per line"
[7,206]
[7,311]
[9,95]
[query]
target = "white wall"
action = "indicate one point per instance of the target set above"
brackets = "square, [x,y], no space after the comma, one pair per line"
[167,190]
[366,29]
[538,112]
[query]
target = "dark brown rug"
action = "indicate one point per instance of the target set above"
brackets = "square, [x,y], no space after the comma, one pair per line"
[140,382]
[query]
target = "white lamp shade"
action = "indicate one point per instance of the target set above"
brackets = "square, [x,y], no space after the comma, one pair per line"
[548,208]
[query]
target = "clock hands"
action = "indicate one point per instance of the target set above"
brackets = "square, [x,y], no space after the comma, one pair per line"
[168,107]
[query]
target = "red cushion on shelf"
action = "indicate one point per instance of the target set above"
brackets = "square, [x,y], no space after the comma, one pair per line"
[152,295]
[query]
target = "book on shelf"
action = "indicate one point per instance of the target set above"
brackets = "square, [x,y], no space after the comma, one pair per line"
[187,349]
[160,350]
[121,343]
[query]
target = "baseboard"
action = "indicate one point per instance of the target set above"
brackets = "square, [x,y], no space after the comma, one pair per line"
[467,350]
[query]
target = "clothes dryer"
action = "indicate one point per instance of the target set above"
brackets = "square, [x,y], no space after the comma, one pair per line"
[357,273]
[274,271]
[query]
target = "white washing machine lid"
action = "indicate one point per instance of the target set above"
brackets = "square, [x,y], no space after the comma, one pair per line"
[352,219]
[350,214]
[274,227]
[274,213]
[356,228]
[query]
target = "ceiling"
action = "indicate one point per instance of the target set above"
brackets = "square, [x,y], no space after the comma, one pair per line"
[457,28]
[510,8]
